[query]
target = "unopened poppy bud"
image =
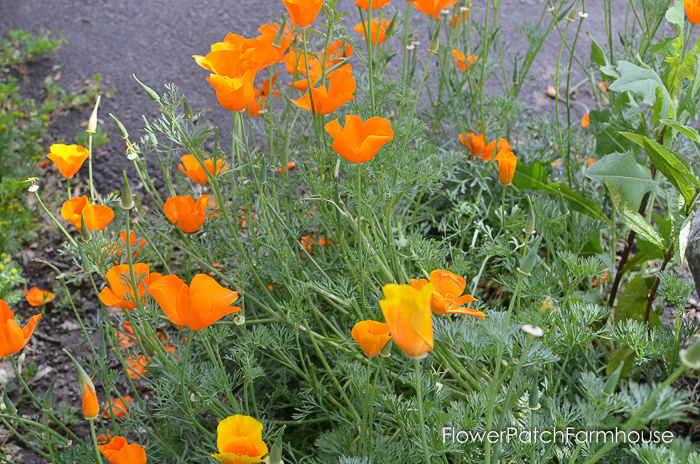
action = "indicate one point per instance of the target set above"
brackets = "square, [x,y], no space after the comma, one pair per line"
[188,111]
[434,44]
[152,139]
[149,91]
[390,29]
[102,349]
[276,451]
[92,122]
[530,259]
[534,401]
[691,356]
[85,261]
[611,383]
[530,224]
[91,407]
[122,130]
[386,351]
[84,380]
[9,406]
[563,205]
[84,230]
[127,201]
[47,400]
[571,16]
[277,41]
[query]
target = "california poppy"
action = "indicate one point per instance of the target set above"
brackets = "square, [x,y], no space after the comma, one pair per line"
[692,10]
[245,55]
[591,161]
[291,165]
[36,297]
[506,167]
[303,12]
[117,407]
[136,366]
[338,52]
[376,4]
[585,120]
[377,30]
[476,144]
[185,213]
[119,451]
[296,64]
[96,217]
[136,244]
[68,158]
[407,311]
[126,337]
[198,306]
[359,142]
[261,94]
[308,242]
[341,89]
[462,62]
[91,408]
[13,337]
[239,441]
[232,77]
[192,169]
[447,295]
[459,17]
[315,73]
[433,7]
[120,292]
[371,336]
[269,31]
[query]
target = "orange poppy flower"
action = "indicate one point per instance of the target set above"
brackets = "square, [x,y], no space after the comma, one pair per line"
[96,217]
[198,306]
[192,169]
[91,408]
[506,167]
[36,297]
[291,165]
[692,10]
[136,244]
[303,12]
[126,337]
[359,142]
[68,158]
[13,337]
[447,295]
[459,18]
[261,94]
[232,76]
[433,7]
[476,144]
[585,121]
[269,31]
[296,63]
[407,311]
[239,441]
[119,293]
[341,89]
[462,62]
[185,213]
[104,438]
[244,55]
[136,366]
[117,407]
[376,4]
[338,52]
[377,31]
[119,451]
[315,73]
[591,161]
[371,336]
[308,242]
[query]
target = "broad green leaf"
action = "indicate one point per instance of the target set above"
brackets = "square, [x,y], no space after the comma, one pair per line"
[666,48]
[696,79]
[626,354]
[629,177]
[597,54]
[632,218]
[535,177]
[676,15]
[647,252]
[632,304]
[685,130]
[606,130]
[643,82]
[680,235]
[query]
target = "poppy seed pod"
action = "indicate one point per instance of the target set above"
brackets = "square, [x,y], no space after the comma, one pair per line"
[530,224]
[92,122]
[47,400]
[611,383]
[691,356]
[84,230]
[281,34]
[127,201]
[149,91]
[85,261]
[530,259]
[9,405]
[122,130]
[534,400]
[276,450]
[188,111]
[434,44]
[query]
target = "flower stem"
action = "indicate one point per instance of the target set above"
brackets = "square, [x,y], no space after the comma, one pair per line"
[421,420]
[94,441]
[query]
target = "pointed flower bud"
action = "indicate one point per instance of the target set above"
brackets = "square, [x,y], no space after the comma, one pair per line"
[84,230]
[84,260]
[611,383]
[434,45]
[122,130]
[47,401]
[691,356]
[9,406]
[149,91]
[91,407]
[127,201]
[530,259]
[279,37]
[92,122]
[534,401]
[530,224]
[276,451]
[386,351]
[188,111]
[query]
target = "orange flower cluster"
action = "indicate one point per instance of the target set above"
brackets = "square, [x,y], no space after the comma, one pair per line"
[360,141]
[185,213]
[118,248]
[479,149]
[239,441]
[117,407]
[341,89]
[13,337]
[433,7]
[372,336]
[68,158]
[308,242]
[447,295]
[36,297]
[192,169]
[459,17]
[260,102]
[119,451]
[96,217]
[462,62]
[119,291]
[303,12]
[377,30]
[196,306]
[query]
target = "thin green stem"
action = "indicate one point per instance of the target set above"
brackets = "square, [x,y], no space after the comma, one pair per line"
[419,405]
